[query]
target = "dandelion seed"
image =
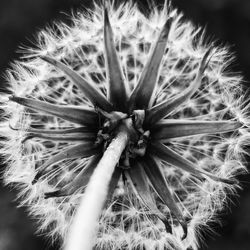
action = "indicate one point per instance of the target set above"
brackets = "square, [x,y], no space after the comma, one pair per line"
[124,131]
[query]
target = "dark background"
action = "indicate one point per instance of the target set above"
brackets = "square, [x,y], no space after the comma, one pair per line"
[226,20]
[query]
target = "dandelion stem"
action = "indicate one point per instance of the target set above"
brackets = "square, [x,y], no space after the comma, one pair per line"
[83,229]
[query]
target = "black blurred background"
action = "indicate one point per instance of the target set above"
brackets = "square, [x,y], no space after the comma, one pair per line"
[226,20]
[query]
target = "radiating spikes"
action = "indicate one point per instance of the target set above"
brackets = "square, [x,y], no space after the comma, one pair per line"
[160,185]
[141,95]
[82,150]
[166,154]
[67,138]
[117,91]
[140,184]
[166,107]
[89,90]
[179,128]
[75,114]
[80,181]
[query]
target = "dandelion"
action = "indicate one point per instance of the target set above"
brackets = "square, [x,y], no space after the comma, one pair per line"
[123,131]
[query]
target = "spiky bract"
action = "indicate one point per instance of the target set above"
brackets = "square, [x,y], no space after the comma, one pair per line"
[190,71]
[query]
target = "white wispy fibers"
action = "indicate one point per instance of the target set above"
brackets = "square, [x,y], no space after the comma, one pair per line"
[174,174]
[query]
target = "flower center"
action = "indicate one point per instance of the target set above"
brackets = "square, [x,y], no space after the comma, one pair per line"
[112,122]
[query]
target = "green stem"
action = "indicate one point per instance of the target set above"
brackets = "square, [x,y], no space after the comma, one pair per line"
[83,229]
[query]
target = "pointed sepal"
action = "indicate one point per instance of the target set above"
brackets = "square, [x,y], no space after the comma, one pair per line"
[166,154]
[117,89]
[62,131]
[80,181]
[89,90]
[141,95]
[168,129]
[166,107]
[77,137]
[75,114]
[156,177]
[82,150]
[140,184]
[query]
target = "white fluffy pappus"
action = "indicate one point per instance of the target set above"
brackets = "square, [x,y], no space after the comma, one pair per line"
[126,224]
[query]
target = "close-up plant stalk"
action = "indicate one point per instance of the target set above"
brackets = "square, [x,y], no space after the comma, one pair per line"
[124,131]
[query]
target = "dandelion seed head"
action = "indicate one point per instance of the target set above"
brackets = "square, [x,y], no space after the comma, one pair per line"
[126,224]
